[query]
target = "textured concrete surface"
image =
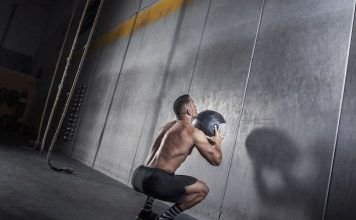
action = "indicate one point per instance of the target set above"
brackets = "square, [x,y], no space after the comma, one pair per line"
[218,83]
[30,190]
[342,199]
[115,12]
[146,3]
[152,50]
[104,73]
[279,85]
[174,79]
[89,67]
[18,38]
[284,147]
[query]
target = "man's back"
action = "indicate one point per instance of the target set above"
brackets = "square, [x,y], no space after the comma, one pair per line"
[175,145]
[172,146]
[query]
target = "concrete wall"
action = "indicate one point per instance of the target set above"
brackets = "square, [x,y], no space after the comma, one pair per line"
[342,190]
[5,11]
[22,28]
[288,128]
[51,43]
[45,59]
[27,26]
[274,69]
[35,31]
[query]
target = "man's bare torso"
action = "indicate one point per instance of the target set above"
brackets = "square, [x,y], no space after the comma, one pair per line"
[173,145]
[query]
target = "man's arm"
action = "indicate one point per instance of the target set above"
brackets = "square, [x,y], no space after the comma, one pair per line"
[211,151]
[158,141]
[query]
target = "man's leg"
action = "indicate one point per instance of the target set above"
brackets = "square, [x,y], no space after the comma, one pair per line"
[146,212]
[195,193]
[148,204]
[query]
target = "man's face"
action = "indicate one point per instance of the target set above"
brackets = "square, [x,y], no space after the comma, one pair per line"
[193,108]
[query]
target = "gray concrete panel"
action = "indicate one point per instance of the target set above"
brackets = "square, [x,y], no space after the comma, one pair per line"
[114,12]
[98,100]
[284,147]
[27,27]
[281,151]
[5,12]
[85,78]
[58,17]
[218,84]
[342,194]
[146,58]
[174,79]
[146,3]
[79,148]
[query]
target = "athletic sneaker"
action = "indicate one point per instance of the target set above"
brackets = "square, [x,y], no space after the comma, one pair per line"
[144,215]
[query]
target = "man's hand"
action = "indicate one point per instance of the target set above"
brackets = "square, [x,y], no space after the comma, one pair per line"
[217,138]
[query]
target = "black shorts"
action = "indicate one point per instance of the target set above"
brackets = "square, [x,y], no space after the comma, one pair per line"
[161,184]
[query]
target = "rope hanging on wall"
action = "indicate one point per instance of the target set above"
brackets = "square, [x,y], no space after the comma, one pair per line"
[54,76]
[60,86]
[69,170]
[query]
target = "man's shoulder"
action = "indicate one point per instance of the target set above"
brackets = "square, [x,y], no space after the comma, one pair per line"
[168,124]
[166,127]
[190,130]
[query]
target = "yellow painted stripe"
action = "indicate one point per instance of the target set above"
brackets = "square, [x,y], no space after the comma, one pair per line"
[145,17]
[122,30]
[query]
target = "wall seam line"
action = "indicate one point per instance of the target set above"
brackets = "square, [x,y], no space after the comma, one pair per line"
[243,105]
[198,52]
[150,4]
[338,120]
[165,71]
[116,84]
[86,98]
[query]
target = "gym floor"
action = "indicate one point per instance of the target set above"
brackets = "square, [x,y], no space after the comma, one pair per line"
[30,190]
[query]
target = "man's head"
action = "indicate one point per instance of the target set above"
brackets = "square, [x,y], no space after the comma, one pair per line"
[184,106]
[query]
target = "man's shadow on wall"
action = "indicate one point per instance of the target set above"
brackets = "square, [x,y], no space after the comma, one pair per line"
[279,186]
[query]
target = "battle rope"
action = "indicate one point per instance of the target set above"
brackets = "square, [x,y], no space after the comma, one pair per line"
[60,86]
[86,47]
[54,76]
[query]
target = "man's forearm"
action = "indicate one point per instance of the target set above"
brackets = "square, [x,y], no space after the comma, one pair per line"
[218,153]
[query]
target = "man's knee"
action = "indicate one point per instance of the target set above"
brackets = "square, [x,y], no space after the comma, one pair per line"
[203,188]
[198,187]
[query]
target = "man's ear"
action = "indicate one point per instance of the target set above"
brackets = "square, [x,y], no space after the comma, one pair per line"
[189,111]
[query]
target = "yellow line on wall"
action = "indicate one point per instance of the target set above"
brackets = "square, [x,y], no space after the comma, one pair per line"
[145,17]
[121,30]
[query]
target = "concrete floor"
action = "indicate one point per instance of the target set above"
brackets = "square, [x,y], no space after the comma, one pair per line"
[30,190]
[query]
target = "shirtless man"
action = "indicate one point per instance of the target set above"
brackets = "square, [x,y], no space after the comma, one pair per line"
[174,143]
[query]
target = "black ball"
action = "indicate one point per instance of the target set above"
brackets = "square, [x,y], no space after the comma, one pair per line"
[207,120]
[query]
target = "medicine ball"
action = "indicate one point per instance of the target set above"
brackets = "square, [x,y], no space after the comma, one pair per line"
[207,120]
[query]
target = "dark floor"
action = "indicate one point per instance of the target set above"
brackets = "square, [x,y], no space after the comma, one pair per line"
[30,190]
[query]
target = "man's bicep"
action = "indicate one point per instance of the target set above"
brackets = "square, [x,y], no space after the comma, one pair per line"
[202,144]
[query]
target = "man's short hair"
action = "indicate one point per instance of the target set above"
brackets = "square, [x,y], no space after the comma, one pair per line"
[179,105]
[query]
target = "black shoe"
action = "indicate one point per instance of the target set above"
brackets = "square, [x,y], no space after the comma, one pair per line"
[144,215]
